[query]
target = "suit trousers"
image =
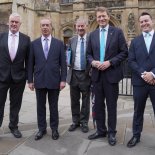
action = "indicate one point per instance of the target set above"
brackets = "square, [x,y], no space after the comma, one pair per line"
[80,88]
[15,95]
[140,95]
[105,91]
[41,95]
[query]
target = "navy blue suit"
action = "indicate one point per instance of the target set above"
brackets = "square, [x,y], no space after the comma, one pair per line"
[47,75]
[106,82]
[139,61]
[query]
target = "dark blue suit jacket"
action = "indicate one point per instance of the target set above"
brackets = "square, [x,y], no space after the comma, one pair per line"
[140,60]
[47,73]
[116,51]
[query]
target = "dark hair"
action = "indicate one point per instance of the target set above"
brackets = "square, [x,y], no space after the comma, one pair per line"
[102,9]
[145,13]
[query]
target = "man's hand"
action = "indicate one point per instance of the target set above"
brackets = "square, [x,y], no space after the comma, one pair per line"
[103,66]
[31,86]
[62,85]
[147,76]
[95,63]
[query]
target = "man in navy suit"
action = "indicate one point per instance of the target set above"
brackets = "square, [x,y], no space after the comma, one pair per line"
[107,49]
[14,50]
[142,63]
[47,73]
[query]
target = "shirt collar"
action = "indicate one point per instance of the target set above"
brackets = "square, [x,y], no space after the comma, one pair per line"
[16,34]
[106,28]
[43,37]
[151,33]
[79,37]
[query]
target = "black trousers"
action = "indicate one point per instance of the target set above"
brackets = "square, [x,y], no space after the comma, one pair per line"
[106,95]
[41,95]
[15,95]
[140,95]
[80,89]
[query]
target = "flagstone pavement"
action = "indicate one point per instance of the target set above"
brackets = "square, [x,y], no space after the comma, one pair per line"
[75,143]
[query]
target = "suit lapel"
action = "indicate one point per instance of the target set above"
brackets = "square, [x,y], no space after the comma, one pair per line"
[143,45]
[152,46]
[51,49]
[6,45]
[19,45]
[74,48]
[109,36]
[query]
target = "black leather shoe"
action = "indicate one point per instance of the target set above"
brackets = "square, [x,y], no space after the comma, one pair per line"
[73,127]
[55,134]
[84,127]
[111,139]
[40,134]
[96,135]
[16,133]
[133,141]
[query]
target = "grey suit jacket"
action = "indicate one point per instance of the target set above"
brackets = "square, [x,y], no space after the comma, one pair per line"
[72,45]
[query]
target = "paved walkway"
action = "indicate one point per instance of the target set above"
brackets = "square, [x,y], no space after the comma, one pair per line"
[74,143]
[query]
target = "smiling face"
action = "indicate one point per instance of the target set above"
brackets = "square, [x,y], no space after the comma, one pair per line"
[46,27]
[14,24]
[102,18]
[146,23]
[81,27]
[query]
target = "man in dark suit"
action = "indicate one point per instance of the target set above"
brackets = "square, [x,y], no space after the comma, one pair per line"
[14,50]
[106,50]
[78,78]
[47,66]
[142,63]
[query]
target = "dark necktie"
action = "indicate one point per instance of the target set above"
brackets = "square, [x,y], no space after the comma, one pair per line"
[82,55]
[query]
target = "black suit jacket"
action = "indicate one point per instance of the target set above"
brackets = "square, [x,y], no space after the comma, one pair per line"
[116,51]
[16,70]
[140,60]
[47,73]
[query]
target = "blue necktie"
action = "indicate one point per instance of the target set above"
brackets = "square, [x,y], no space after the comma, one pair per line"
[46,47]
[82,55]
[102,45]
[148,41]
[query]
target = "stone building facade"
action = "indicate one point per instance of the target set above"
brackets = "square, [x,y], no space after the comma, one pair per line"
[64,13]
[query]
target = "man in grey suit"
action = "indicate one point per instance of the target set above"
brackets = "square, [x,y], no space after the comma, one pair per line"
[14,50]
[78,78]
[47,73]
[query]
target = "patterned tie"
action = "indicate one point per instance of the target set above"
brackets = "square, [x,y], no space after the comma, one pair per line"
[12,50]
[102,45]
[148,41]
[82,55]
[46,47]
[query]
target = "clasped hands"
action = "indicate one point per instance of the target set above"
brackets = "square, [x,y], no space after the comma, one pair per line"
[148,77]
[101,65]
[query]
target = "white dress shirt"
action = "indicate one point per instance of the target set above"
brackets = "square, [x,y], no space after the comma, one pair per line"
[77,65]
[49,38]
[16,40]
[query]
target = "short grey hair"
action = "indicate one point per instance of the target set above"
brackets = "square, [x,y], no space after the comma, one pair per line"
[81,20]
[15,14]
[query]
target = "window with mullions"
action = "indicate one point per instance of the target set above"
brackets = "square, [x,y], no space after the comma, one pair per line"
[67,1]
